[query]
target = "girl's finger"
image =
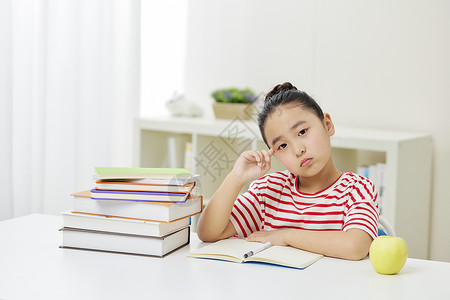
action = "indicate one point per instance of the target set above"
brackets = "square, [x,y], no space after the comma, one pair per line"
[268,155]
[259,158]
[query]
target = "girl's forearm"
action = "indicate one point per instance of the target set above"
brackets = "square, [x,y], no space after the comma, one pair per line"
[352,244]
[214,220]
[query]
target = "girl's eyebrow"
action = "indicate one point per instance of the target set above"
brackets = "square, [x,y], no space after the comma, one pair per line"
[292,127]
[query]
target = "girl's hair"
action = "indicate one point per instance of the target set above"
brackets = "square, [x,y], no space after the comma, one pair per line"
[283,94]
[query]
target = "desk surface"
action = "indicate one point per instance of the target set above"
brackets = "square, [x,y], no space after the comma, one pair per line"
[32,266]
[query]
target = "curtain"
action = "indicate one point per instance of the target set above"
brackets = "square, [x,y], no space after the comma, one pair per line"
[69,90]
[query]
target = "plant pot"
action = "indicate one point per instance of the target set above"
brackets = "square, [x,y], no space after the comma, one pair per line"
[233,110]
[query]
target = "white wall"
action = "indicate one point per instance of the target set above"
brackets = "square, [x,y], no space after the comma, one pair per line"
[375,64]
[163,34]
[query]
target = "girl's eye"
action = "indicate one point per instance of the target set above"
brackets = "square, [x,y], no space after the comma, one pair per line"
[282,146]
[302,132]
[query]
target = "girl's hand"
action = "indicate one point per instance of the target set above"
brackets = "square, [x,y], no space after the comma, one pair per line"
[275,237]
[252,164]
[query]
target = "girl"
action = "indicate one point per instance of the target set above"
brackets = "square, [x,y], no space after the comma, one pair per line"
[312,205]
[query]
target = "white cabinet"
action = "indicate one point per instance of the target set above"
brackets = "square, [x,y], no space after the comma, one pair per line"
[161,142]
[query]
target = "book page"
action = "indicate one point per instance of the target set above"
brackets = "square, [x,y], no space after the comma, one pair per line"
[286,256]
[232,249]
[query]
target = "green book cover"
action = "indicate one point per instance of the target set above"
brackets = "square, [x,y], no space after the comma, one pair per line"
[156,173]
[120,170]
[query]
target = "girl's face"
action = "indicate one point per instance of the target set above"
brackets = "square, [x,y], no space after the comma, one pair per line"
[300,139]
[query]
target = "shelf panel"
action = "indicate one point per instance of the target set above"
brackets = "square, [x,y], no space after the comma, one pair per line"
[345,137]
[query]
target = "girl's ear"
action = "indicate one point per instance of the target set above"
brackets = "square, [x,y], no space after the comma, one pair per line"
[328,123]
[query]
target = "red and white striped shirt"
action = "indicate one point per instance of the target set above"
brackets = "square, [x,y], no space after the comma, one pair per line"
[274,201]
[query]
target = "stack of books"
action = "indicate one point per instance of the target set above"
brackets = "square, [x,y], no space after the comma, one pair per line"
[143,211]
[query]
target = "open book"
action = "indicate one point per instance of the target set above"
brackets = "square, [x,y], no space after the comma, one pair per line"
[233,249]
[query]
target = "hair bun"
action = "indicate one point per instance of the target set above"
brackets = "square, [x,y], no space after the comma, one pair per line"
[279,88]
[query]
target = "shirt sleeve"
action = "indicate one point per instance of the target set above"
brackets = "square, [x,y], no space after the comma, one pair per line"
[246,215]
[362,209]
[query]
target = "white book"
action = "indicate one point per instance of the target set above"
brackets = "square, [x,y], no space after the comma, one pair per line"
[124,243]
[122,225]
[363,171]
[150,211]
[373,174]
[188,156]
[381,167]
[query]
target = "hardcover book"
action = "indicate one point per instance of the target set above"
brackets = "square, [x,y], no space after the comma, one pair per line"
[153,211]
[143,185]
[139,196]
[124,243]
[168,174]
[122,225]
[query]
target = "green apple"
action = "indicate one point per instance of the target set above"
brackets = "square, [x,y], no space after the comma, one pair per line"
[388,254]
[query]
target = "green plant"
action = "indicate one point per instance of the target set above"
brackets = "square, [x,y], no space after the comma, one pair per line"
[234,95]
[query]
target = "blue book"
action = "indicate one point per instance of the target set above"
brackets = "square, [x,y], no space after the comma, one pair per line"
[139,196]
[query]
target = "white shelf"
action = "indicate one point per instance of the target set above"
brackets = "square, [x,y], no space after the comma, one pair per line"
[407,156]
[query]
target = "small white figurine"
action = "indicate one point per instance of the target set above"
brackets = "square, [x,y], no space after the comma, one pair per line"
[179,106]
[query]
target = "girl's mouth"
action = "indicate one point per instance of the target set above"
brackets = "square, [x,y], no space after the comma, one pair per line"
[305,162]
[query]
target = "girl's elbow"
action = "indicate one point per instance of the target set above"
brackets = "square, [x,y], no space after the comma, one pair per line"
[358,244]
[202,236]
[205,236]
[358,255]
[357,252]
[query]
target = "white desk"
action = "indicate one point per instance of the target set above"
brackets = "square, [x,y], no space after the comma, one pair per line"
[32,266]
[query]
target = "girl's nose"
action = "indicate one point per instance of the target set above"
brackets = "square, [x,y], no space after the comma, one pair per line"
[299,150]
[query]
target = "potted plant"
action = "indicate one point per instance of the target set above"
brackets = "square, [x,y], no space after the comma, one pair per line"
[231,103]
